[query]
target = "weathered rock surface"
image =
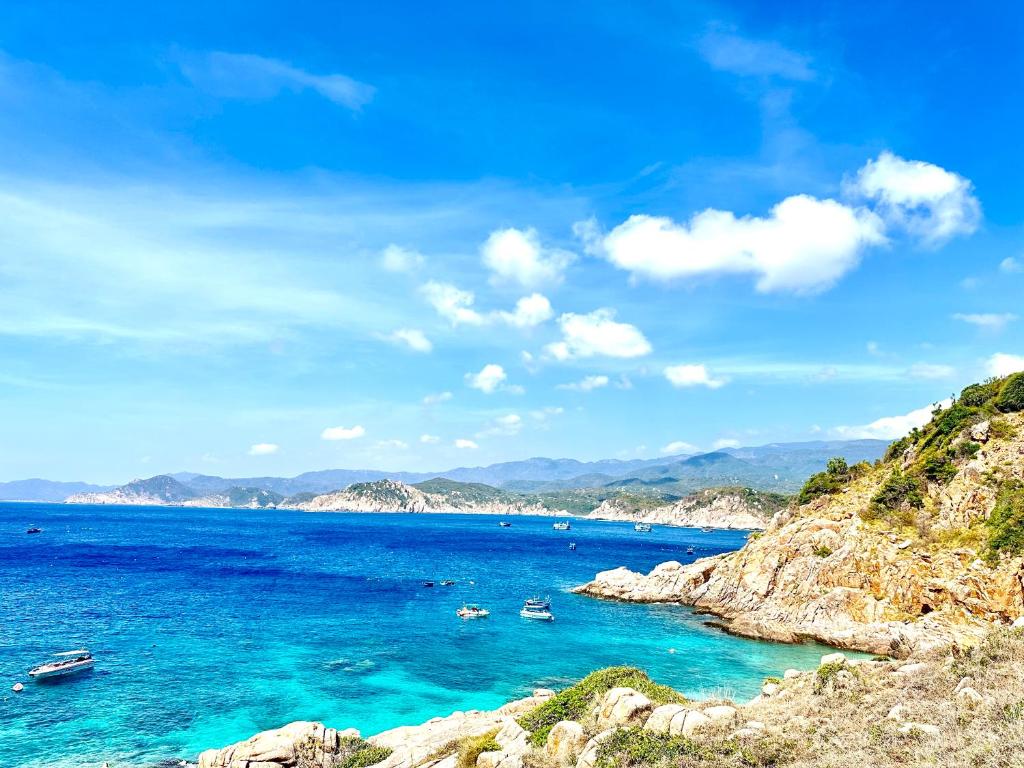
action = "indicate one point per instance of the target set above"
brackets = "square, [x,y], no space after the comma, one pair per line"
[622,706]
[821,572]
[279,748]
[565,742]
[704,509]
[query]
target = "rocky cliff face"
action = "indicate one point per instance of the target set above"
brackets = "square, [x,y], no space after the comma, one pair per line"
[899,557]
[393,496]
[731,508]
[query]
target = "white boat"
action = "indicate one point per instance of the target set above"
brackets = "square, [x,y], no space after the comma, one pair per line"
[66,663]
[537,608]
[642,527]
[562,526]
[472,612]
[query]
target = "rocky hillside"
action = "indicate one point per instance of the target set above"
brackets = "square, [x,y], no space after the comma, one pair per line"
[438,495]
[921,549]
[159,490]
[738,508]
[946,710]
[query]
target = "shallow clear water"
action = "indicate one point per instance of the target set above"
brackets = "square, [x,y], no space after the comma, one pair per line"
[210,625]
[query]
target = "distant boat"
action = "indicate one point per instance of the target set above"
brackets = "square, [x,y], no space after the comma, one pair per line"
[689,550]
[538,609]
[472,612]
[572,546]
[505,524]
[428,583]
[642,527]
[66,663]
[447,583]
[564,526]
[706,530]
[34,530]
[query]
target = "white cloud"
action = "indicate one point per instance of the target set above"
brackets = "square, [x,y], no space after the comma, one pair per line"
[586,384]
[928,201]
[543,414]
[889,427]
[529,311]
[489,378]
[931,371]
[597,333]
[692,375]
[517,256]
[429,439]
[1002,364]
[742,56]
[462,442]
[437,397]
[679,446]
[412,338]
[343,433]
[400,445]
[1010,265]
[394,258]
[453,304]
[456,306]
[804,245]
[988,320]
[263,449]
[725,442]
[248,76]
[507,425]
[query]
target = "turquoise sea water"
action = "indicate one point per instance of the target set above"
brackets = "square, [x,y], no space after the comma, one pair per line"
[210,625]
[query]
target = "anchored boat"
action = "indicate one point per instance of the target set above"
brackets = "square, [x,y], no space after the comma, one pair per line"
[66,663]
[563,526]
[537,608]
[472,612]
[642,527]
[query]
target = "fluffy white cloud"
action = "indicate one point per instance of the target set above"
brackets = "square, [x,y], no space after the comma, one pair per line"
[931,371]
[890,427]
[1010,265]
[586,384]
[488,379]
[456,306]
[343,433]
[679,446]
[517,256]
[394,258]
[462,442]
[691,375]
[1002,364]
[263,449]
[412,338]
[507,425]
[804,245]
[597,333]
[429,439]
[453,304]
[990,320]
[529,311]
[725,442]
[928,201]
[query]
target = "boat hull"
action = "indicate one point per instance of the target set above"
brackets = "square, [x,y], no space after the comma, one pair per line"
[42,673]
[537,615]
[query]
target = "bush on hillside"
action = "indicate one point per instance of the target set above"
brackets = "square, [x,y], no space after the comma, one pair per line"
[1011,398]
[835,477]
[895,501]
[1006,523]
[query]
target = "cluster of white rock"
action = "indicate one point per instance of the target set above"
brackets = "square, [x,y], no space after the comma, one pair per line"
[700,510]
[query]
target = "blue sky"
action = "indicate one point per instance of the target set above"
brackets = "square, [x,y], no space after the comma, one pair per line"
[251,239]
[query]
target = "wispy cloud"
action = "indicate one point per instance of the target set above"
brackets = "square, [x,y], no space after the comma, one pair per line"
[759,58]
[989,320]
[343,433]
[586,384]
[249,76]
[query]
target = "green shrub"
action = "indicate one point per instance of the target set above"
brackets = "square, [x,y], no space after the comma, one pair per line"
[968,449]
[575,702]
[822,551]
[636,747]
[938,468]
[1011,397]
[895,500]
[1006,523]
[471,747]
[832,480]
[353,752]
[826,674]
[898,447]
[1001,429]
[951,421]
[977,395]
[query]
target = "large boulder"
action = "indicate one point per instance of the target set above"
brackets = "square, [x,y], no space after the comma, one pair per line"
[622,706]
[514,745]
[588,757]
[278,748]
[661,718]
[566,741]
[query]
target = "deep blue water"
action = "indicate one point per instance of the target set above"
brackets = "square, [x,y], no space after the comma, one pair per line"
[210,625]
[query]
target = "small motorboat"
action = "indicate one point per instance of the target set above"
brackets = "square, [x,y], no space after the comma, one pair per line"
[447,583]
[542,603]
[65,663]
[706,530]
[642,527]
[689,550]
[33,529]
[428,583]
[505,524]
[572,546]
[563,526]
[472,612]
[537,608]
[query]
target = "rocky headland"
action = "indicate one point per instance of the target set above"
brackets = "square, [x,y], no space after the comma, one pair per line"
[921,550]
[735,508]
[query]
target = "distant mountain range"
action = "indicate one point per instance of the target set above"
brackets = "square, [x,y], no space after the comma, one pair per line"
[778,467]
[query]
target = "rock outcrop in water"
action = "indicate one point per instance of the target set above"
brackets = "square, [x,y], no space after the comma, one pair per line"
[922,550]
[736,508]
